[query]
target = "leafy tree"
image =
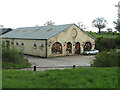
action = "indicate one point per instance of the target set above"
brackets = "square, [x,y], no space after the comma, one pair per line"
[49,23]
[99,23]
[109,30]
[117,25]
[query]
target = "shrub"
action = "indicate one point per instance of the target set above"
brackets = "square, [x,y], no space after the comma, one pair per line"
[106,59]
[117,41]
[12,58]
[105,43]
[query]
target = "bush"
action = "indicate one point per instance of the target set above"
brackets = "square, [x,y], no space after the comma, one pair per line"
[106,43]
[106,59]
[12,58]
[117,41]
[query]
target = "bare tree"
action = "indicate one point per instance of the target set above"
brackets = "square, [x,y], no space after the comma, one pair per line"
[99,23]
[50,23]
[81,25]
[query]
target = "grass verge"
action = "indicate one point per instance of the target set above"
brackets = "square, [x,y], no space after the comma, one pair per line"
[90,77]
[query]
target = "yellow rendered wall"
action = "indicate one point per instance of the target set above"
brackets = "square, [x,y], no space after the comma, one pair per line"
[28,47]
[66,36]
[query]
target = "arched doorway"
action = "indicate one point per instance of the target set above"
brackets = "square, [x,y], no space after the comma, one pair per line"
[77,48]
[87,46]
[57,48]
[69,47]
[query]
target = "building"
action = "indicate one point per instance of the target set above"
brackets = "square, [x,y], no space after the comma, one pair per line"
[50,41]
[4,30]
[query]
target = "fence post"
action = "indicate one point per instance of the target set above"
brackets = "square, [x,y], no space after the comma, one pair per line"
[34,68]
[73,66]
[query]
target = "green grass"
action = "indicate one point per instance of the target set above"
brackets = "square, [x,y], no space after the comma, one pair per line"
[14,65]
[69,78]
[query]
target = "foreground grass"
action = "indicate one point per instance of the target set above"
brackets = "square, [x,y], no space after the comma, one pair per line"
[68,78]
[14,65]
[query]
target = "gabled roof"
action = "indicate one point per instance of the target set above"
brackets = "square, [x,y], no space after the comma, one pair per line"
[39,32]
[4,30]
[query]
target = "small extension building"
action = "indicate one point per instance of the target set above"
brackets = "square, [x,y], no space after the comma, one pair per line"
[50,41]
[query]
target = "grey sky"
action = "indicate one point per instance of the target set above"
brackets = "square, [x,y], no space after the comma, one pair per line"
[28,13]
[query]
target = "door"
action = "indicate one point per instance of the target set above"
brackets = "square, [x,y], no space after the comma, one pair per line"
[77,48]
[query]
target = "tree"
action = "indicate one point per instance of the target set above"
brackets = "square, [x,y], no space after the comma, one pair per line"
[117,25]
[109,30]
[81,25]
[50,23]
[99,23]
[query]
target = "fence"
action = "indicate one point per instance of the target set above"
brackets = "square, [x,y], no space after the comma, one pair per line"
[34,68]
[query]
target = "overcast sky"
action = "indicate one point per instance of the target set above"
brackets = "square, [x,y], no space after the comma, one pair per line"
[28,13]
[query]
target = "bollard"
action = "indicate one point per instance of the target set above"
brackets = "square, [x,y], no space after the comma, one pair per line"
[73,66]
[34,68]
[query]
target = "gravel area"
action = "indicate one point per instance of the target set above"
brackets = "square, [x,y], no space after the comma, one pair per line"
[77,60]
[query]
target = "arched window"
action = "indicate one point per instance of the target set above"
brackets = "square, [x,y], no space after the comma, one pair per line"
[77,48]
[57,48]
[17,43]
[42,45]
[34,45]
[12,43]
[87,46]
[69,47]
[22,44]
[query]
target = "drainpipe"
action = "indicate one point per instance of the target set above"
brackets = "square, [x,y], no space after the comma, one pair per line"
[46,47]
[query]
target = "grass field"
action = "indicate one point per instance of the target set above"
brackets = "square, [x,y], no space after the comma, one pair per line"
[91,77]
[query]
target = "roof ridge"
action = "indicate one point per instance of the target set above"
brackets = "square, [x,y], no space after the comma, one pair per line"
[45,26]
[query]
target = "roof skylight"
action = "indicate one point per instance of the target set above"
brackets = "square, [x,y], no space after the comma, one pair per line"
[25,30]
[50,29]
[37,30]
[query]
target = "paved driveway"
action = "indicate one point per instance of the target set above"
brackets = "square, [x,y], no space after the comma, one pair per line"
[78,60]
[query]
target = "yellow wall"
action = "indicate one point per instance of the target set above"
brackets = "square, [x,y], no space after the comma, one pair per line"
[66,36]
[28,47]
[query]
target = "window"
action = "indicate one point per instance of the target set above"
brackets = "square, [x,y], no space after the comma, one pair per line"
[57,48]
[87,46]
[12,43]
[69,47]
[3,43]
[22,44]
[34,45]
[37,30]
[7,44]
[17,43]
[42,45]
[49,29]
